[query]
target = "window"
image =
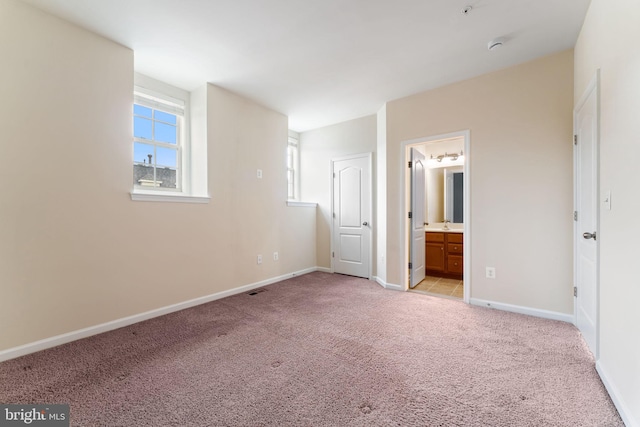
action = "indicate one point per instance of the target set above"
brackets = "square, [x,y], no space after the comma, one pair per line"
[158,124]
[292,168]
[169,163]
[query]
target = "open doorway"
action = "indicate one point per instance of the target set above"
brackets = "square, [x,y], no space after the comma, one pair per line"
[443,221]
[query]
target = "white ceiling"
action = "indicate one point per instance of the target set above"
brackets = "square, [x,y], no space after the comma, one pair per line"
[325,61]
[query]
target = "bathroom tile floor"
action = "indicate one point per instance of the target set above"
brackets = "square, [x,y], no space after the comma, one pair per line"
[442,287]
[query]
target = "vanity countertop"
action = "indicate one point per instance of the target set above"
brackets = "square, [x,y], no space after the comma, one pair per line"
[440,229]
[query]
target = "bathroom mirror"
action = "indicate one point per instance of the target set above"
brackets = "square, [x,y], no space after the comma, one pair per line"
[445,194]
[454,194]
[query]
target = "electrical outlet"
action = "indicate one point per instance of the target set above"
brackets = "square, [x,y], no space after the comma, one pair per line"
[491,273]
[259,259]
[275,256]
[259,174]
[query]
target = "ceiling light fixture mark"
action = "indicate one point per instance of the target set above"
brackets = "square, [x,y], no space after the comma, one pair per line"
[467,10]
[495,43]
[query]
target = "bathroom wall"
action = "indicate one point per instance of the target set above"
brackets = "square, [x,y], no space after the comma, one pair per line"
[435,195]
[435,182]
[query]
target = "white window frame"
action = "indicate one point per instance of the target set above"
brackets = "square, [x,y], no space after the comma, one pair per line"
[176,107]
[176,100]
[293,170]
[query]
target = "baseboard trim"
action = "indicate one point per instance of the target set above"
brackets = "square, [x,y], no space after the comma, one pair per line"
[323,269]
[545,314]
[57,340]
[386,285]
[622,408]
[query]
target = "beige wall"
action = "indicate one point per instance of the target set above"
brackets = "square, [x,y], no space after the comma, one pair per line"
[75,251]
[609,42]
[251,213]
[317,149]
[520,120]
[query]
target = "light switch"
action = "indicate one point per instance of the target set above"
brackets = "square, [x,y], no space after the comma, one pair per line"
[259,174]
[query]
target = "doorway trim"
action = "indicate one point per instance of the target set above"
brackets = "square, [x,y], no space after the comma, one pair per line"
[369,157]
[404,197]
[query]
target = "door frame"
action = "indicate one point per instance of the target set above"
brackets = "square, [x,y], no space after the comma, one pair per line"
[594,85]
[404,206]
[369,157]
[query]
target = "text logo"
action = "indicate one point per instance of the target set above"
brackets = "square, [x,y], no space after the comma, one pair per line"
[34,415]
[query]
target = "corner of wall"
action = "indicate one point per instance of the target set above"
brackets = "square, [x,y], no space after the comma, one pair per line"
[381,194]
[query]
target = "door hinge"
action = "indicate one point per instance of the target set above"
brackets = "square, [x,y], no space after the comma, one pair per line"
[575,291]
[575,139]
[410,164]
[334,214]
[334,174]
[410,266]
[410,215]
[333,254]
[575,215]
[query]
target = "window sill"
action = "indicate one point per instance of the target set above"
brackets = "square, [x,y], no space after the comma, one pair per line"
[167,197]
[296,203]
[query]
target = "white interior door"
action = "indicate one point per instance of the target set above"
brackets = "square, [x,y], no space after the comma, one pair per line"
[586,224]
[352,215]
[417,217]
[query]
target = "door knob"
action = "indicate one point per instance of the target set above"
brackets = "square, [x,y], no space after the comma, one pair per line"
[589,235]
[365,223]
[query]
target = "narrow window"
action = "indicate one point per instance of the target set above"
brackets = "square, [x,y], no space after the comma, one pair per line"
[292,169]
[158,124]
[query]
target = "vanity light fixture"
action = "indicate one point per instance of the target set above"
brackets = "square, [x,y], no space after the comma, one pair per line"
[452,156]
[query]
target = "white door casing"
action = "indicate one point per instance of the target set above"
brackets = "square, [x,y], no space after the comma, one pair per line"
[351,215]
[417,272]
[405,224]
[586,211]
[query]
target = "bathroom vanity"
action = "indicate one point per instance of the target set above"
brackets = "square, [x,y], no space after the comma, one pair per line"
[443,253]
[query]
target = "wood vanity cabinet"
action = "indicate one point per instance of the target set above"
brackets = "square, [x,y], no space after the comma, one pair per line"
[434,253]
[443,252]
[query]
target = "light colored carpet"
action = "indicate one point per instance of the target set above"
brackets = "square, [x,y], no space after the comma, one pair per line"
[322,350]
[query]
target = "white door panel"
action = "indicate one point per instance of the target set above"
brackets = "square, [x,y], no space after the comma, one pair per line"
[350,248]
[586,198]
[351,238]
[350,182]
[588,304]
[417,272]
